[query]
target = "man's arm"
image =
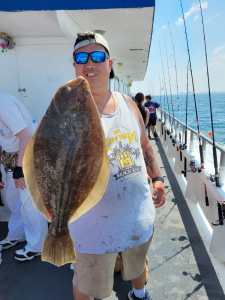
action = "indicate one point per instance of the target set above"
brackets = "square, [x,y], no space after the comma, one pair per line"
[1,182]
[150,159]
[154,173]
[24,137]
[153,169]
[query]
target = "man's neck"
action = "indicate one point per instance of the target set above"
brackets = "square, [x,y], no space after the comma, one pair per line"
[103,100]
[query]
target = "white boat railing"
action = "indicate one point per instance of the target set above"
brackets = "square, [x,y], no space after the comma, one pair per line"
[197,181]
[177,130]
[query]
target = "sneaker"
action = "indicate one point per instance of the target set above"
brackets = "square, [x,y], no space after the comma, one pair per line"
[131,296]
[6,244]
[23,255]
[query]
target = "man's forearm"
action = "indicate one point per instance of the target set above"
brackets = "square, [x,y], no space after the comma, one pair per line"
[24,137]
[150,161]
[158,194]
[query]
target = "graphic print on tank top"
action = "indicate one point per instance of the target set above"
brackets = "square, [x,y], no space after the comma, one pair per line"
[123,153]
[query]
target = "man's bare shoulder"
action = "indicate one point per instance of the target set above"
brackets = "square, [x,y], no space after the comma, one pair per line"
[131,103]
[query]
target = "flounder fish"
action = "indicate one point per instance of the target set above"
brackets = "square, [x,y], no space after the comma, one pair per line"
[65,165]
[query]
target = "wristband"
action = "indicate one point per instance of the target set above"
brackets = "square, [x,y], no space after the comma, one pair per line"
[18,172]
[158,178]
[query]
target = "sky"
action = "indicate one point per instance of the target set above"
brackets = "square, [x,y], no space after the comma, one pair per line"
[168,31]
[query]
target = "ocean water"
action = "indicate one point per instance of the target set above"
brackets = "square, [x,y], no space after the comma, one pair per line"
[218,107]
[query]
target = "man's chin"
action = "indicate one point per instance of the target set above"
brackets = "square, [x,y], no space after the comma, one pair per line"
[92,80]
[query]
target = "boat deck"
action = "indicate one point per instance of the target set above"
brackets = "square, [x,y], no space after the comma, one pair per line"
[180,266]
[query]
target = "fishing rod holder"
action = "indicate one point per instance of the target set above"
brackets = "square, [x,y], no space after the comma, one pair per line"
[221,214]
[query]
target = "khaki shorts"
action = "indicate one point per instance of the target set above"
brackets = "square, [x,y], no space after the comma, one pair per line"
[94,273]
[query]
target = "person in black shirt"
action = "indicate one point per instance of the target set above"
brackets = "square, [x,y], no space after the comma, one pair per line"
[139,99]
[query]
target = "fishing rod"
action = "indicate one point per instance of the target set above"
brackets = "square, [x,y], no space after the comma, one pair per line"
[175,69]
[161,104]
[217,179]
[166,102]
[160,96]
[170,87]
[164,99]
[210,101]
[193,87]
[184,146]
[183,143]
[186,108]
[165,87]
[174,58]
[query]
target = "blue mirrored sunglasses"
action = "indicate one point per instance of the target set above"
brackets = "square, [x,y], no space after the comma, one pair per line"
[96,57]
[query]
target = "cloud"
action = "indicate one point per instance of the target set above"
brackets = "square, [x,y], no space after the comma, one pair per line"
[195,8]
[218,57]
[217,68]
[213,18]
[219,50]
[196,18]
[164,27]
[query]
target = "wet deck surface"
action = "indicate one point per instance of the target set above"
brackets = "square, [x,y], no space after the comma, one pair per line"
[180,266]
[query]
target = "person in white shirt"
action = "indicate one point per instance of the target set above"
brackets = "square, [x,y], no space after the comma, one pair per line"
[123,221]
[25,222]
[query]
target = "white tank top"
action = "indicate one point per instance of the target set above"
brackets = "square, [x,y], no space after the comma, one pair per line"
[124,217]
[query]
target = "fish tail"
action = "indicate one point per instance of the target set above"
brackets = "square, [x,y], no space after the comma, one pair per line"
[58,249]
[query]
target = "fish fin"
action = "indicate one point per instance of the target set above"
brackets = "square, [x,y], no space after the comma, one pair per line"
[29,174]
[58,249]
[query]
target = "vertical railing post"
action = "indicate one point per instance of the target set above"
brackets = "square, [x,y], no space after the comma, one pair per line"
[204,143]
[222,167]
[191,141]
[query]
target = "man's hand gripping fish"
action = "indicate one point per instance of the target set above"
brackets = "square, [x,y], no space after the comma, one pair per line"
[65,165]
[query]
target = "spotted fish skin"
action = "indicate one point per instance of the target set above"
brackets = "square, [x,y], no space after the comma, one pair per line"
[68,150]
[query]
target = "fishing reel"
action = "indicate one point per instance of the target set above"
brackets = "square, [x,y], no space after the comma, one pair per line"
[182,147]
[215,178]
[194,166]
[174,141]
[212,177]
[168,132]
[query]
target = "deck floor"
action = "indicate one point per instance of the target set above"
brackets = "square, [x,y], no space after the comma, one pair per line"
[180,266]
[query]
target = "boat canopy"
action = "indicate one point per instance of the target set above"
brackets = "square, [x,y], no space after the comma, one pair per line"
[127,25]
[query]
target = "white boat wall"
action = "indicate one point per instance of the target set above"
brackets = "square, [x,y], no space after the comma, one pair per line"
[44,33]
[205,200]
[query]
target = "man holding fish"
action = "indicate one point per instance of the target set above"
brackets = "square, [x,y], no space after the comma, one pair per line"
[123,220]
